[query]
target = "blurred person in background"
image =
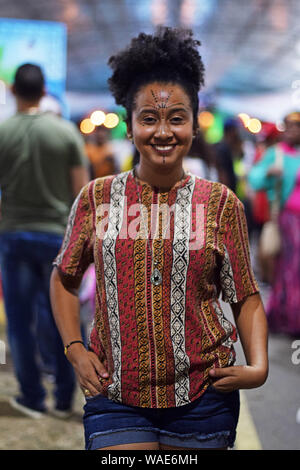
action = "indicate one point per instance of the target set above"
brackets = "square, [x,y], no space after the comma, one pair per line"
[283,308]
[229,154]
[259,202]
[100,152]
[268,137]
[200,159]
[227,151]
[42,169]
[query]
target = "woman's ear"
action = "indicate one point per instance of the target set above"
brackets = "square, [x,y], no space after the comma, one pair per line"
[196,131]
[129,131]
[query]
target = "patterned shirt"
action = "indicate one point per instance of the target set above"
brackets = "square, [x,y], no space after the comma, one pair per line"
[158,342]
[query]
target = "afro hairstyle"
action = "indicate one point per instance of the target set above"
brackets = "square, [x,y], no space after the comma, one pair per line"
[170,55]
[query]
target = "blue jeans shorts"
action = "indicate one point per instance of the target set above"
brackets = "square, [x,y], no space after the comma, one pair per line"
[208,422]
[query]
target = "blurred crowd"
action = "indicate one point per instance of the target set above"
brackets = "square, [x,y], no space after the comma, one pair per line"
[246,163]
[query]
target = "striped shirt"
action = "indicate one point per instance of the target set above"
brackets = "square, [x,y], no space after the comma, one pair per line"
[158,342]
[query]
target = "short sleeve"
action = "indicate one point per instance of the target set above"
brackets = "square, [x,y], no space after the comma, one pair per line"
[236,275]
[76,252]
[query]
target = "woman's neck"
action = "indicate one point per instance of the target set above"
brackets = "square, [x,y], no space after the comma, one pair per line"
[164,181]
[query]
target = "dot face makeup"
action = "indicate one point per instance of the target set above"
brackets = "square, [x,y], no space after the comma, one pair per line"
[162,104]
[162,124]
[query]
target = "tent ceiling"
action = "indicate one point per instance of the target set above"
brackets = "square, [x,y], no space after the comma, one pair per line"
[248,46]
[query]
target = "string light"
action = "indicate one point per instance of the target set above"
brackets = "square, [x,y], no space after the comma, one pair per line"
[86,126]
[254,125]
[97,117]
[111,120]
[244,118]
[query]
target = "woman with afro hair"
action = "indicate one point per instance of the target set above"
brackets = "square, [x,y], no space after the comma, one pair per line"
[158,371]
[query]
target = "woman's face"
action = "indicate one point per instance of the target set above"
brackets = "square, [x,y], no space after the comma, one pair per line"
[162,124]
[292,131]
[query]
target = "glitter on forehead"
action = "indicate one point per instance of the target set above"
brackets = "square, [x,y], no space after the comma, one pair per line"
[164,95]
[161,101]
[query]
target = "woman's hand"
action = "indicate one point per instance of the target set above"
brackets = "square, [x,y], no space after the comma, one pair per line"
[66,310]
[232,378]
[88,369]
[252,327]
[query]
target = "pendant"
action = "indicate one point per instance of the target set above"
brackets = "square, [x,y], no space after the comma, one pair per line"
[156,277]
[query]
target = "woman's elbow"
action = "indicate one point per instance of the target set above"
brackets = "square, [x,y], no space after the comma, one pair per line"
[57,285]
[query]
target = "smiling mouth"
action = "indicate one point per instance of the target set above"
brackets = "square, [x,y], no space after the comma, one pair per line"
[164,149]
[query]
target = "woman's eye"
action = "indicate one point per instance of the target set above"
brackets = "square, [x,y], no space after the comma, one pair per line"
[148,120]
[177,120]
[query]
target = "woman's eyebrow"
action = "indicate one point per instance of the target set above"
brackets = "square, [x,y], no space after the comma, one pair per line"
[176,108]
[177,104]
[148,108]
[154,109]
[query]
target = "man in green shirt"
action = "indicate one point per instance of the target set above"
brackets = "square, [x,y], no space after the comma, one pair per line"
[42,169]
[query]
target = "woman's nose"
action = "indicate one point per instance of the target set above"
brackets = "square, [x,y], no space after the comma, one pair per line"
[163,130]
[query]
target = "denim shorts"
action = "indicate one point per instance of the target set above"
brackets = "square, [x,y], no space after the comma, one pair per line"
[208,422]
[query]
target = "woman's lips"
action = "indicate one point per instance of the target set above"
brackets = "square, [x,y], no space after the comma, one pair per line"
[164,150]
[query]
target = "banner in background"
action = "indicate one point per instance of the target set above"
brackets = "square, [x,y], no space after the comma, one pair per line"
[40,42]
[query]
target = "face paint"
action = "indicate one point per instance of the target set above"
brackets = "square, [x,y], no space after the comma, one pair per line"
[162,124]
[161,103]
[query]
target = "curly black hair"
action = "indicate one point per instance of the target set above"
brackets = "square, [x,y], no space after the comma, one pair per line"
[170,55]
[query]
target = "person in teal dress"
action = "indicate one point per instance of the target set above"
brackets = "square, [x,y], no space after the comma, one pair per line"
[283,305]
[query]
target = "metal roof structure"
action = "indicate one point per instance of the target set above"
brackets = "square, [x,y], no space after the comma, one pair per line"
[248,46]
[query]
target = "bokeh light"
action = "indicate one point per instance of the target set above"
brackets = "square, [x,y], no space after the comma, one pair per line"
[245,118]
[111,120]
[280,126]
[205,119]
[86,126]
[254,125]
[97,117]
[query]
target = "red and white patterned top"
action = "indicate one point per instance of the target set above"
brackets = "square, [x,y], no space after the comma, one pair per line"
[158,342]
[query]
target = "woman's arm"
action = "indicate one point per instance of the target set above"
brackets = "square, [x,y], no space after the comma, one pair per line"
[251,324]
[66,311]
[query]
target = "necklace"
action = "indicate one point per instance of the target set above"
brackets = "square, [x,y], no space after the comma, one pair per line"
[156,275]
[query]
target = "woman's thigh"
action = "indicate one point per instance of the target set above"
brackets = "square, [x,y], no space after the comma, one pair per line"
[151,446]
[166,447]
[134,446]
